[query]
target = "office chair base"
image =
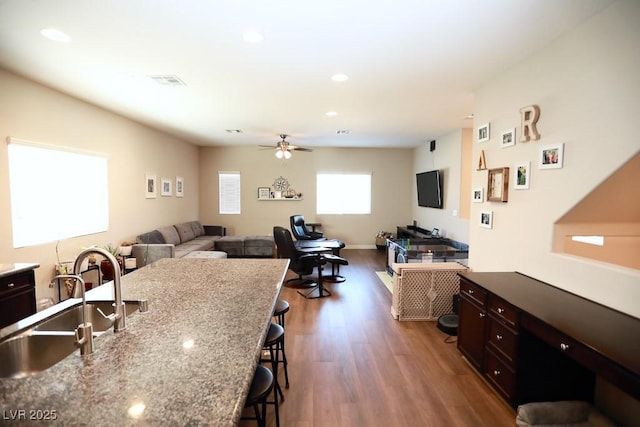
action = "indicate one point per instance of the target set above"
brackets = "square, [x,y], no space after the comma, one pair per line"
[322,293]
[300,283]
[334,278]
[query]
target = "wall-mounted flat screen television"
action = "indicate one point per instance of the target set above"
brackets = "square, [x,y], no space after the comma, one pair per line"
[429,189]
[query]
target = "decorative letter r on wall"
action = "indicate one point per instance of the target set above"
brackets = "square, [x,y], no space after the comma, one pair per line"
[530,116]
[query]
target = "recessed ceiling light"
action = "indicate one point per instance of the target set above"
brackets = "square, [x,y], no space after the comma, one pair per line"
[252,36]
[331,113]
[55,35]
[234,130]
[339,77]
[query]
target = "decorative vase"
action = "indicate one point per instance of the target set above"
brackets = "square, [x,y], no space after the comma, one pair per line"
[107,269]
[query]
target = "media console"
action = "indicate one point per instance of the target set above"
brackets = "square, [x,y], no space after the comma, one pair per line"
[534,342]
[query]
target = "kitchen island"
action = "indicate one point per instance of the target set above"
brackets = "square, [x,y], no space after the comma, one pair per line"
[189,360]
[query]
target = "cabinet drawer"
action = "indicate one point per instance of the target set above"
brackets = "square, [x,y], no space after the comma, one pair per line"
[503,311]
[500,375]
[14,282]
[503,340]
[473,292]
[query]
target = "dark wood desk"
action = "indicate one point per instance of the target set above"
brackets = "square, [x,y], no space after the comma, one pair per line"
[534,342]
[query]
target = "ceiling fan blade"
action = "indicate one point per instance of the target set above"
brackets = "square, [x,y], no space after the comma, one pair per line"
[267,146]
[301,148]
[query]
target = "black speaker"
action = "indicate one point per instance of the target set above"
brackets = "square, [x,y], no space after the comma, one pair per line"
[432,145]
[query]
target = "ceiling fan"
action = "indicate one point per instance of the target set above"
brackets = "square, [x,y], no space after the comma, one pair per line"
[283,148]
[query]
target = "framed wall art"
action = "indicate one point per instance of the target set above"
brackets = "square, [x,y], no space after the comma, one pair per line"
[478,195]
[165,190]
[508,138]
[179,186]
[523,173]
[551,156]
[482,134]
[486,219]
[264,192]
[150,186]
[498,185]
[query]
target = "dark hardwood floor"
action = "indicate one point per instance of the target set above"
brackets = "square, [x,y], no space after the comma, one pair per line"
[352,364]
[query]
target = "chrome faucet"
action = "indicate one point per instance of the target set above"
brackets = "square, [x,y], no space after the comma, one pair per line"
[84,331]
[119,317]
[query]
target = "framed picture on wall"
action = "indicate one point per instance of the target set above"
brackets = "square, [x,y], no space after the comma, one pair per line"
[498,185]
[150,186]
[179,186]
[264,192]
[508,138]
[166,187]
[523,172]
[551,156]
[478,195]
[486,219]
[482,133]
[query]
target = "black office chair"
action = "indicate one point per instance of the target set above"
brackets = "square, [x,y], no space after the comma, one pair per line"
[300,230]
[315,256]
[300,263]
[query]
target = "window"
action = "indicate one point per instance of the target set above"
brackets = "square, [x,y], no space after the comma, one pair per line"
[229,192]
[343,193]
[56,192]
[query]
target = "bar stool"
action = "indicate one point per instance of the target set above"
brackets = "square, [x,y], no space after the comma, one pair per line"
[274,343]
[282,306]
[261,386]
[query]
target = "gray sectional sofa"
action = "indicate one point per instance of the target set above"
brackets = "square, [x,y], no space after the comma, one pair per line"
[176,241]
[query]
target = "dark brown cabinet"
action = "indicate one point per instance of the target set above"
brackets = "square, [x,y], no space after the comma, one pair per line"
[17,296]
[472,320]
[534,342]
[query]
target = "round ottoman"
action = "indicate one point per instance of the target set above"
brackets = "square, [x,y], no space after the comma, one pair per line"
[206,254]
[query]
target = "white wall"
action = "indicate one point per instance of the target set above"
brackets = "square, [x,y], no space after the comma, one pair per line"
[391,189]
[33,112]
[587,87]
[446,158]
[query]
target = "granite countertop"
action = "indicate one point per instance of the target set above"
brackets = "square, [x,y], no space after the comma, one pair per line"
[9,269]
[189,360]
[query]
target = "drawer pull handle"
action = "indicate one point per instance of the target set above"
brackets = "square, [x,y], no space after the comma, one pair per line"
[498,337]
[482,314]
[564,347]
[470,291]
[10,285]
[500,310]
[496,372]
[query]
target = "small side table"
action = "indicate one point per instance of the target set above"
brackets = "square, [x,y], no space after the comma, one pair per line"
[313,225]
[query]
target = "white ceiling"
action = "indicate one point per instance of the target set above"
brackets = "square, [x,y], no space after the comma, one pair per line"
[413,65]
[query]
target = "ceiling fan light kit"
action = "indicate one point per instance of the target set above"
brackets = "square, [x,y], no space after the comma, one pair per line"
[283,148]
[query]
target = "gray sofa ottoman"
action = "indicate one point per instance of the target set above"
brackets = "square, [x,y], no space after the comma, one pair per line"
[232,245]
[259,246]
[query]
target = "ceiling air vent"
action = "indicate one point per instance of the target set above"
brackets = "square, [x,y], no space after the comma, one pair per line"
[168,80]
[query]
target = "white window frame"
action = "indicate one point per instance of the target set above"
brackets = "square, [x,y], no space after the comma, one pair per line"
[340,193]
[229,200]
[56,192]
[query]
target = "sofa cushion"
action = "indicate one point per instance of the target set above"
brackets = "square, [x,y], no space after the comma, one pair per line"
[170,235]
[185,232]
[192,246]
[198,229]
[152,237]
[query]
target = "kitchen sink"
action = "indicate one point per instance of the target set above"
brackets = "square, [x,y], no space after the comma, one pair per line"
[46,343]
[32,352]
[69,319]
